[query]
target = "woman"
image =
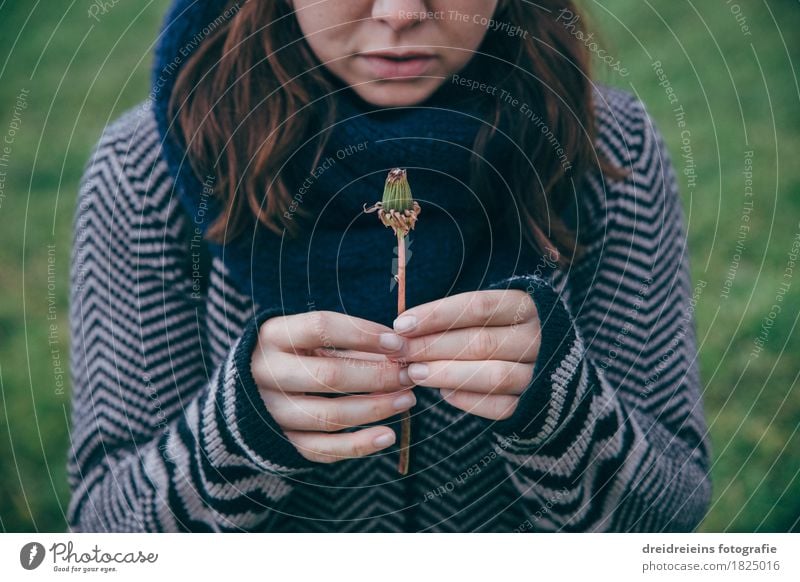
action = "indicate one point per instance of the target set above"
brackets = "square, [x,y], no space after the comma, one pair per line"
[547,357]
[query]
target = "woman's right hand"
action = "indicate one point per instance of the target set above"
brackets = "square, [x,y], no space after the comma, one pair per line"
[294,361]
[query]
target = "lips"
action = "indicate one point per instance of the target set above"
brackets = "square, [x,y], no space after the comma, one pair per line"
[398,64]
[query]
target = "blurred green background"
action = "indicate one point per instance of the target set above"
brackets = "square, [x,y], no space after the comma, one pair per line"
[731,68]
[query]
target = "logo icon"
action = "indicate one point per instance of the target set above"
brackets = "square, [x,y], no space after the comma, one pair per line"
[31,555]
[396,262]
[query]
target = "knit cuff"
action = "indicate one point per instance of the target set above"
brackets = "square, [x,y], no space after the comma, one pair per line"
[546,402]
[260,433]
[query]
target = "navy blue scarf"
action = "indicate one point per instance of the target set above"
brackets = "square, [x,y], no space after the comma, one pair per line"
[345,259]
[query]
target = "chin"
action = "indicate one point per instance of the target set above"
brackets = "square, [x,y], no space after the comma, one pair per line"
[396,93]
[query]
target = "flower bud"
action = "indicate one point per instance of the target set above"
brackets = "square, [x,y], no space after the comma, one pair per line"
[397,192]
[398,209]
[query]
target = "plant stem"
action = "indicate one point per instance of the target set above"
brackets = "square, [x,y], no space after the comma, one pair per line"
[405,422]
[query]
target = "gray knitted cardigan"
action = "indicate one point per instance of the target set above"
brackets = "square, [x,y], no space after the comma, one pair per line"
[169,432]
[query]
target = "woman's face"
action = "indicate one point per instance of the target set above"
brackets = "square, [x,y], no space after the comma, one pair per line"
[394,52]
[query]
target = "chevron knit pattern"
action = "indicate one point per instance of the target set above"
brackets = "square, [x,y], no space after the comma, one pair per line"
[170,433]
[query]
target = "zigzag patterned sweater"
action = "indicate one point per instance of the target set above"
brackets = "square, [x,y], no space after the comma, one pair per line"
[170,433]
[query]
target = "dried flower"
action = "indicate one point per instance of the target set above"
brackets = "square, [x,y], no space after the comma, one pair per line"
[398,209]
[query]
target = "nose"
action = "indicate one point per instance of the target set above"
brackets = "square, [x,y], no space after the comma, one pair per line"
[399,14]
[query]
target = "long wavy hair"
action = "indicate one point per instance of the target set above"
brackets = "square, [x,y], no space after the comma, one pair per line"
[235,103]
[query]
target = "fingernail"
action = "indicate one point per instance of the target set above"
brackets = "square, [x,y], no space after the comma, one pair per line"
[384,440]
[418,371]
[405,380]
[405,323]
[390,341]
[407,400]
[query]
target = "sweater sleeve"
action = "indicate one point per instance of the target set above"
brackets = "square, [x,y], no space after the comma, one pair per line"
[158,443]
[610,433]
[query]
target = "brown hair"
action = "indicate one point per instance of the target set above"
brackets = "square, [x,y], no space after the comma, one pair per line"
[259,63]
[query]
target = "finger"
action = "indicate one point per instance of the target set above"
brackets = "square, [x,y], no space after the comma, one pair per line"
[331,447]
[471,309]
[289,372]
[315,413]
[512,343]
[329,329]
[492,377]
[491,406]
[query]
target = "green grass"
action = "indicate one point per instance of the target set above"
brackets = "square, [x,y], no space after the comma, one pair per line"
[738,92]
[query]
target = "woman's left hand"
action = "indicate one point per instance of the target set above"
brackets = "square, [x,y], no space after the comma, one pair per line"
[479,348]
